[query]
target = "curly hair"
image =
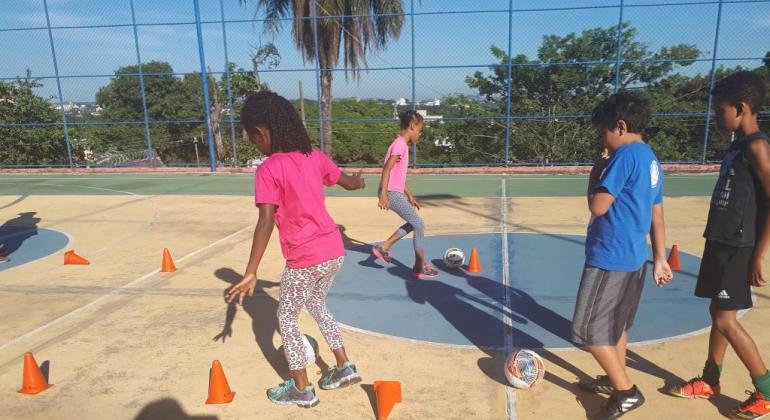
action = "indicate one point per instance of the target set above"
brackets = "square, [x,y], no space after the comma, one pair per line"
[743,86]
[276,113]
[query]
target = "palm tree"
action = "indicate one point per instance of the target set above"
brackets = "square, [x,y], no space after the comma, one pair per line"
[367,24]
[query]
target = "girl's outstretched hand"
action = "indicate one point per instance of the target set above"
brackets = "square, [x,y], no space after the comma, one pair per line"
[245,286]
[358,181]
[413,201]
[384,202]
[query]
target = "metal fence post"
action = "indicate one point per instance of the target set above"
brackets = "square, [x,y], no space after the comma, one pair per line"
[150,154]
[619,47]
[229,84]
[712,81]
[205,80]
[58,84]
[509,80]
[314,13]
[414,81]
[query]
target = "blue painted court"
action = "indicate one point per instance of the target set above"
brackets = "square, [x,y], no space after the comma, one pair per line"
[26,242]
[461,308]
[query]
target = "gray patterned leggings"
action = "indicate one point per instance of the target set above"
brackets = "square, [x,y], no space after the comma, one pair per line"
[399,203]
[306,288]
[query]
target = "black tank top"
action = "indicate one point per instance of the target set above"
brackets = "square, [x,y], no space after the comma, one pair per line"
[738,199]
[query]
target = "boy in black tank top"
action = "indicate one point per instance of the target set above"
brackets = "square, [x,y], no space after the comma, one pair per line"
[737,237]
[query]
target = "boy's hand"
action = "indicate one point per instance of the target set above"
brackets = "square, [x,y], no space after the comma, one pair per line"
[384,202]
[662,273]
[245,286]
[602,161]
[413,201]
[756,279]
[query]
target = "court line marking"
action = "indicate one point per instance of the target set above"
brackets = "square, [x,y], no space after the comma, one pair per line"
[510,396]
[147,224]
[116,291]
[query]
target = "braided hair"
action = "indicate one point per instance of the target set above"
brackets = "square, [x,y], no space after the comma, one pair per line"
[267,108]
[408,117]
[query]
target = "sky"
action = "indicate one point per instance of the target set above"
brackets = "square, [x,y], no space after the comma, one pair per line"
[442,37]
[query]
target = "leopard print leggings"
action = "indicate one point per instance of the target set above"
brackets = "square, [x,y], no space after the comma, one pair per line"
[306,288]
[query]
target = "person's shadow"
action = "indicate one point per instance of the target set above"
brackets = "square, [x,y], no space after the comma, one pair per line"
[525,306]
[263,310]
[15,231]
[361,247]
[486,331]
[168,409]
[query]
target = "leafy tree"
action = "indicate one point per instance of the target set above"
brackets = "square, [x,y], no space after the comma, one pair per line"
[370,25]
[42,144]
[557,85]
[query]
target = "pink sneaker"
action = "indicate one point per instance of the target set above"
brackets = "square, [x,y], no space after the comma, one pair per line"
[381,254]
[427,273]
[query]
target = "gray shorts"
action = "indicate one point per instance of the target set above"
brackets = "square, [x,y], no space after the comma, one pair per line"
[606,305]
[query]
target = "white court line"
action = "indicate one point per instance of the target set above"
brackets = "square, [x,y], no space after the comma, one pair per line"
[510,396]
[115,291]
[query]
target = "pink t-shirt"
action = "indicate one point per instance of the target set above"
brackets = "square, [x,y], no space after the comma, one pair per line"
[397,179]
[295,182]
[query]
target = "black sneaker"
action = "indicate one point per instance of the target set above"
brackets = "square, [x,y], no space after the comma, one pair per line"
[617,405]
[600,385]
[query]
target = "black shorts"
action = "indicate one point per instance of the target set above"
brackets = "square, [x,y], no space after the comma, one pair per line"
[724,276]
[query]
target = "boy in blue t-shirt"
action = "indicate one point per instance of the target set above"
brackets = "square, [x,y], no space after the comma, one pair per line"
[625,197]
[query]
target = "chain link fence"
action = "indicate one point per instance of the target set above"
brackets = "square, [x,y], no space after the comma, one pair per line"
[501,82]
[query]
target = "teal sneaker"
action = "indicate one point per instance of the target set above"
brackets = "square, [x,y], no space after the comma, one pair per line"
[339,377]
[287,394]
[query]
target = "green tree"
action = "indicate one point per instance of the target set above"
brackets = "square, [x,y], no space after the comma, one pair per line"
[168,99]
[557,83]
[42,144]
[766,61]
[371,25]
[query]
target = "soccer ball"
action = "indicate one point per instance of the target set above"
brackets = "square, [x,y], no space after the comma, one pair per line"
[311,349]
[524,369]
[454,257]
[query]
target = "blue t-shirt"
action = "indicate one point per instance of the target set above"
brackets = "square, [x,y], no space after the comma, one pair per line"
[617,241]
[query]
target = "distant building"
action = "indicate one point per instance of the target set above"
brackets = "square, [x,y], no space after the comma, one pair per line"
[401,102]
[429,118]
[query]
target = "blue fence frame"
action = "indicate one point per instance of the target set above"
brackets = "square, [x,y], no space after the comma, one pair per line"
[511,11]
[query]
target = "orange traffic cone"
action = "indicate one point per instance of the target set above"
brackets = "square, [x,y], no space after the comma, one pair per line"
[70,257]
[219,390]
[474,266]
[167,266]
[34,382]
[388,394]
[673,259]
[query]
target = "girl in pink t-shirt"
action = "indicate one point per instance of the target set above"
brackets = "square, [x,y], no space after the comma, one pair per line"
[289,191]
[396,196]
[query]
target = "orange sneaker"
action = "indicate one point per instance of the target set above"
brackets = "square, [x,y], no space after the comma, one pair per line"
[755,407]
[695,388]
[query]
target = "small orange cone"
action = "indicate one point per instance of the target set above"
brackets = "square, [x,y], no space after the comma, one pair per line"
[219,390]
[388,394]
[167,266]
[673,259]
[474,266]
[33,382]
[70,257]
